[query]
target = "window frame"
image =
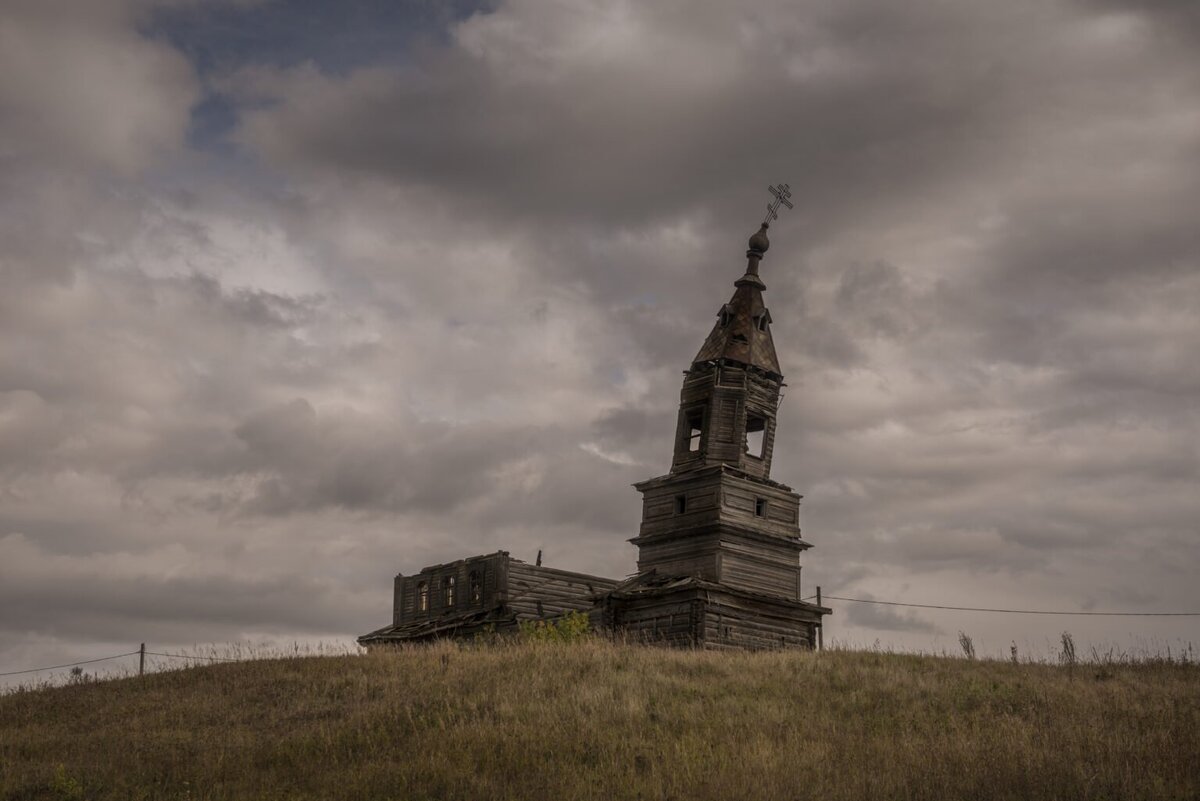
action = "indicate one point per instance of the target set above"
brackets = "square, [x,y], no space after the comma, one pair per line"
[761,440]
[693,427]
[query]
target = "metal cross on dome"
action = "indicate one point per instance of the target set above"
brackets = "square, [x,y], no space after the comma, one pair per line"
[781,193]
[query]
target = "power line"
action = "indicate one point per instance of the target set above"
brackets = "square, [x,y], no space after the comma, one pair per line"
[119,656]
[193,656]
[1008,611]
[69,664]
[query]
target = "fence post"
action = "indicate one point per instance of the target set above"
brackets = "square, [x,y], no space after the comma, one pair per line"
[820,626]
[142,660]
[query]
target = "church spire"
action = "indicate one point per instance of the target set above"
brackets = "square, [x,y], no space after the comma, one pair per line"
[742,333]
[729,398]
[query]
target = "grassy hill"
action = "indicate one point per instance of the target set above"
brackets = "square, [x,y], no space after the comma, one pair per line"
[594,720]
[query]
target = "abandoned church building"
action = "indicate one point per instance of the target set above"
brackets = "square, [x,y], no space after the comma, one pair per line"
[719,546]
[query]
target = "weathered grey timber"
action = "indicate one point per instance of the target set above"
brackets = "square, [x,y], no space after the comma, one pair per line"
[494,592]
[719,545]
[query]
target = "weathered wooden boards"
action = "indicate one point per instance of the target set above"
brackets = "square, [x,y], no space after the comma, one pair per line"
[489,592]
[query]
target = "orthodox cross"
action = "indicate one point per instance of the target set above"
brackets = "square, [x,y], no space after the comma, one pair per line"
[781,193]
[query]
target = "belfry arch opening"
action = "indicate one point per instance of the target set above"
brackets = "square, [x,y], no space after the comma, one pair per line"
[756,435]
[694,427]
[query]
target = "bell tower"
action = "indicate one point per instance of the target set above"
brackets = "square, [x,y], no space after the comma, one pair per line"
[717,519]
[719,546]
[731,392]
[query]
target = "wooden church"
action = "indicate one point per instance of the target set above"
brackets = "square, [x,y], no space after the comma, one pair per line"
[719,546]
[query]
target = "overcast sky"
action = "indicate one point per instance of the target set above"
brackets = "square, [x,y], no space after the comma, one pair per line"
[295,296]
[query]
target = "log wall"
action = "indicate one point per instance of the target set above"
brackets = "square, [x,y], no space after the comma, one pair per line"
[536,592]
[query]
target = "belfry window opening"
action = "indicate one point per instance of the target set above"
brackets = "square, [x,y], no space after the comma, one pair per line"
[756,435]
[695,424]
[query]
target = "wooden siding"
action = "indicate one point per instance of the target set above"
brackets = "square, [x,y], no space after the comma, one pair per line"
[668,621]
[405,596]
[718,496]
[711,618]
[751,572]
[542,592]
[735,627]
[683,556]
[727,394]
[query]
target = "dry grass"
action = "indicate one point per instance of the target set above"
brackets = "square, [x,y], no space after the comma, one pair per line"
[594,720]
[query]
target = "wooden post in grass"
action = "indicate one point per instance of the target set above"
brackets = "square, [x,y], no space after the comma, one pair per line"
[820,628]
[142,660]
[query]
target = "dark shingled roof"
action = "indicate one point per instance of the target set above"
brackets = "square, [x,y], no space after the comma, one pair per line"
[743,332]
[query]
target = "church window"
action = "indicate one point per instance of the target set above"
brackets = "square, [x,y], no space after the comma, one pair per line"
[448,591]
[476,587]
[680,504]
[760,507]
[422,597]
[756,430]
[695,425]
[725,315]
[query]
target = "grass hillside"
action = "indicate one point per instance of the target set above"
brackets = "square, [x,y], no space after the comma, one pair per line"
[594,720]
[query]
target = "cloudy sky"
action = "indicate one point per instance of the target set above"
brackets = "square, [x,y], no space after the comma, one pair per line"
[295,296]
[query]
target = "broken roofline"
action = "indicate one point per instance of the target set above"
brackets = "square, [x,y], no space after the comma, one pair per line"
[507,555]
[651,582]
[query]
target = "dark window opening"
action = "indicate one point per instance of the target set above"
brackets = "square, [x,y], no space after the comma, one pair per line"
[725,316]
[760,507]
[680,504]
[448,591]
[422,597]
[762,319]
[476,587]
[695,424]
[756,434]
[739,338]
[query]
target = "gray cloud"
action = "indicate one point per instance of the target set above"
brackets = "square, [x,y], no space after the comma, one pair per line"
[885,618]
[441,308]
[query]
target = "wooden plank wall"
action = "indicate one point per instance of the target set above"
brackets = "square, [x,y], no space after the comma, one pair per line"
[540,592]
[670,621]
[750,572]
[716,496]
[405,594]
[729,626]
[762,398]
[684,556]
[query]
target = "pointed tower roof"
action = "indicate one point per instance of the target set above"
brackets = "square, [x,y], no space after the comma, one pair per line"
[743,330]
